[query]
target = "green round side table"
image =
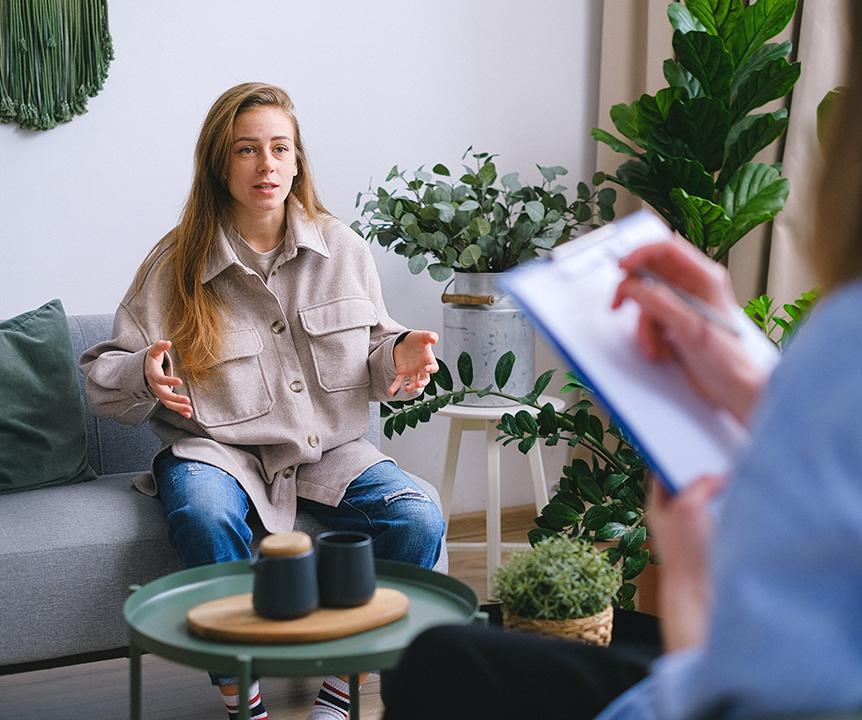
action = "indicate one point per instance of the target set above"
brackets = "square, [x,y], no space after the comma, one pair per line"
[156,616]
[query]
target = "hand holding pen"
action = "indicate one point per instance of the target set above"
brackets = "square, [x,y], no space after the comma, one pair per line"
[687,309]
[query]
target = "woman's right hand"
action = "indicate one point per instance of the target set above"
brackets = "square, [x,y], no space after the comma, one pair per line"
[163,384]
[714,360]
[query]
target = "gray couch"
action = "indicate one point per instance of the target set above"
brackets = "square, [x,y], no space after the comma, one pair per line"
[69,554]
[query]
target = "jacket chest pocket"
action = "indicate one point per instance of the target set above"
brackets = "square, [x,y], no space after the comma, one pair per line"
[339,332]
[237,390]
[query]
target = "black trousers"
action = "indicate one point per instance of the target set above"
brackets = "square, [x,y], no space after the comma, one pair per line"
[470,672]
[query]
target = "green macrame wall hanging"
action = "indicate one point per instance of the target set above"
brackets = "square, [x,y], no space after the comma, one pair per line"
[54,54]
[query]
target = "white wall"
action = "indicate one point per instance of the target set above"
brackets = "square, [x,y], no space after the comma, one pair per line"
[375,83]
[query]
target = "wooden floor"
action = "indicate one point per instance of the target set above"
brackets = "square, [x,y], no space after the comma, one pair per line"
[174,692]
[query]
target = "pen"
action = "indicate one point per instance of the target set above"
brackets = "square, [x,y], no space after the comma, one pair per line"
[702,308]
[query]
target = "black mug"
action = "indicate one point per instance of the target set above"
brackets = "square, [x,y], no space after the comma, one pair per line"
[345,569]
[285,587]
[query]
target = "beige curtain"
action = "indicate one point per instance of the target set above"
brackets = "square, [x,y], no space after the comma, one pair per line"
[823,43]
[636,39]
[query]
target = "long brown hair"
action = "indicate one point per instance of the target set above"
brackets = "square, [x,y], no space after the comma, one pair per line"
[836,249]
[194,319]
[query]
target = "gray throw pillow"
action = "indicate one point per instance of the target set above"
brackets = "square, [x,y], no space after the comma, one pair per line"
[42,437]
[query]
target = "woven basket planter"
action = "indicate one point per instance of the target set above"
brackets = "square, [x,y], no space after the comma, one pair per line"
[593,629]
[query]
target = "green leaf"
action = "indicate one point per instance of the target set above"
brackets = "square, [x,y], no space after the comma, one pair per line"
[615,482]
[443,376]
[547,419]
[503,369]
[634,565]
[549,173]
[702,124]
[387,428]
[760,22]
[772,81]
[682,19]
[487,173]
[610,531]
[627,592]
[445,211]
[598,178]
[468,205]
[470,256]
[681,172]
[571,499]
[417,264]
[393,173]
[705,222]
[744,142]
[612,555]
[399,422]
[535,210]
[560,513]
[651,111]
[440,169]
[526,422]
[465,368]
[632,541]
[719,17]
[596,517]
[677,76]
[439,272]
[510,182]
[760,57]
[527,444]
[755,194]
[613,143]
[542,382]
[589,489]
[623,118]
[535,535]
[704,56]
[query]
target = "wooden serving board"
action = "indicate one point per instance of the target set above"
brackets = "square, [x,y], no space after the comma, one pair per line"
[233,619]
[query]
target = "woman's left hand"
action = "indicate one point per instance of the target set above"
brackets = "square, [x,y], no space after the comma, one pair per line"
[414,361]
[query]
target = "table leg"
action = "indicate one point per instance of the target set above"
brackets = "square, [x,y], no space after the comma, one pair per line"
[492,513]
[134,681]
[244,674]
[537,472]
[354,697]
[453,447]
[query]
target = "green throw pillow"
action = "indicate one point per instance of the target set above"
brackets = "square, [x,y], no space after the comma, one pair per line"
[42,437]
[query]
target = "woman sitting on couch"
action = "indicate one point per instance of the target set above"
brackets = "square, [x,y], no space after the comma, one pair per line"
[252,339]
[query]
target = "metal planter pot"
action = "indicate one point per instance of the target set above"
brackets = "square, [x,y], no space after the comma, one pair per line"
[480,320]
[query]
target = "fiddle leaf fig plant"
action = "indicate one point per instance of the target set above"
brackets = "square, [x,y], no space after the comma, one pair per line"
[692,144]
[481,222]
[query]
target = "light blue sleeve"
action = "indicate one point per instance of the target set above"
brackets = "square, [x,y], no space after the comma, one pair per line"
[785,628]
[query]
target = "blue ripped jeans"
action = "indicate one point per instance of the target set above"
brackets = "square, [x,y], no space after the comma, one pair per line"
[207,511]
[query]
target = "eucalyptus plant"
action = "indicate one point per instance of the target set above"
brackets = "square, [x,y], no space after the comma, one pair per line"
[481,222]
[558,580]
[693,143]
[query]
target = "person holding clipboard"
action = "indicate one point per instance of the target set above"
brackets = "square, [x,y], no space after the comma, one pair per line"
[759,594]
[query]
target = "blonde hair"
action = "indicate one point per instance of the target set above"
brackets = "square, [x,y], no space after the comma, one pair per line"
[194,320]
[836,249]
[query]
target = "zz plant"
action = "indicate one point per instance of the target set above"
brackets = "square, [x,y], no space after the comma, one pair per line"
[692,144]
[600,498]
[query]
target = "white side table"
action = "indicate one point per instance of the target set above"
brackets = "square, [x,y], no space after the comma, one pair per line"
[486,418]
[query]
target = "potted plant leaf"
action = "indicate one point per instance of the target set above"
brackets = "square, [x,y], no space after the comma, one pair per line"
[469,230]
[692,144]
[560,587]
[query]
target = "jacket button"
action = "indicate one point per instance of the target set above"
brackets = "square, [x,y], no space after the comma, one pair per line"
[278,327]
[297,386]
[313,440]
[287,473]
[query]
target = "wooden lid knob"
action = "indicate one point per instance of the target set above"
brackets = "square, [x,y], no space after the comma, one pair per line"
[285,544]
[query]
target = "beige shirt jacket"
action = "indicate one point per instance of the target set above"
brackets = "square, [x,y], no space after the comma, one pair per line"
[287,411]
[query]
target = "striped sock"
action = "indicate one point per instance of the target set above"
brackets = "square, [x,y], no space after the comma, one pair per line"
[256,709]
[333,700]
